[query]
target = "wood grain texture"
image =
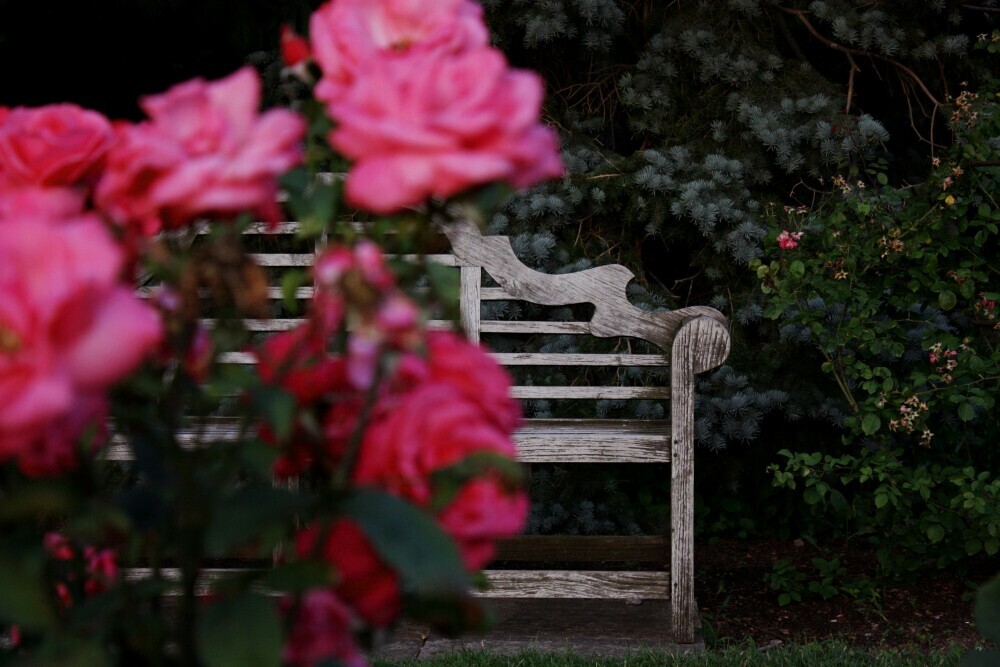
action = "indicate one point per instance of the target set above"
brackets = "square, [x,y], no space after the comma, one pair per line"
[538,440]
[595,392]
[470,297]
[702,343]
[567,359]
[576,584]
[593,441]
[603,286]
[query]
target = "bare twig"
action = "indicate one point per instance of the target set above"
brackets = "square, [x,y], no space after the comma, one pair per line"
[980,8]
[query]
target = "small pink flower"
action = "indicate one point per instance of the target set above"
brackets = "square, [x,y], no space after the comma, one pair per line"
[102,568]
[788,240]
[204,151]
[348,34]
[322,632]
[294,48]
[433,124]
[57,546]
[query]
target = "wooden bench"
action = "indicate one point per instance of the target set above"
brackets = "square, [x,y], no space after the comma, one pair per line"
[692,340]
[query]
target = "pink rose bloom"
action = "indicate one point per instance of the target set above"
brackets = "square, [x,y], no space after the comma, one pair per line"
[365,581]
[431,427]
[347,34]
[321,632]
[789,240]
[68,331]
[433,124]
[50,203]
[102,569]
[469,369]
[59,145]
[204,151]
[483,512]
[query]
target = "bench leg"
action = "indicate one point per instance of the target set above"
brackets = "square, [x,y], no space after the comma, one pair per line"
[701,343]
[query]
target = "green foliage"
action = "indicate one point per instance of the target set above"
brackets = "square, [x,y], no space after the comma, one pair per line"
[895,288]
[988,623]
[913,514]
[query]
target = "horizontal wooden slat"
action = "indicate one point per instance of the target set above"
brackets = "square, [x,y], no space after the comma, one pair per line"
[610,393]
[538,440]
[577,584]
[262,325]
[204,586]
[529,359]
[512,327]
[585,548]
[559,359]
[284,259]
[568,584]
[593,441]
[272,292]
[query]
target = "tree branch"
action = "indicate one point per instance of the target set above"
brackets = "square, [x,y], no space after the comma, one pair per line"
[802,16]
[979,8]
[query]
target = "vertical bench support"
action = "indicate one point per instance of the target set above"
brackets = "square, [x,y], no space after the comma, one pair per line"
[469,301]
[701,343]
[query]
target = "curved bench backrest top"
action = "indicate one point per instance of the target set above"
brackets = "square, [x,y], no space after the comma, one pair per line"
[602,286]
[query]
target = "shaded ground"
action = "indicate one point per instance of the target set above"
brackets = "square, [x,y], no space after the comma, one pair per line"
[737,604]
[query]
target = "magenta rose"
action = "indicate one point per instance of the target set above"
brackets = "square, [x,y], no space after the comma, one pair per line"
[68,331]
[59,145]
[433,124]
[365,581]
[430,427]
[346,34]
[204,151]
[469,368]
[483,512]
[322,632]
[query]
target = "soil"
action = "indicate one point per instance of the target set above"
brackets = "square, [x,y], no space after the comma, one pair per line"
[738,605]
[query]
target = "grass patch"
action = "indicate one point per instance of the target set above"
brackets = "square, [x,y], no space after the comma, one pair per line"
[826,654]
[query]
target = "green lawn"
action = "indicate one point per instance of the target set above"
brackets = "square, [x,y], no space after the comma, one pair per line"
[828,654]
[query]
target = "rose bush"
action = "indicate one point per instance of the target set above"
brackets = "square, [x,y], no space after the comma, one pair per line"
[399,438]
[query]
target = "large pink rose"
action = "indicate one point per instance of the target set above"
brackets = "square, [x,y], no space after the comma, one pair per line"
[68,330]
[321,633]
[346,34]
[469,369]
[204,151]
[433,124]
[431,427]
[59,145]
